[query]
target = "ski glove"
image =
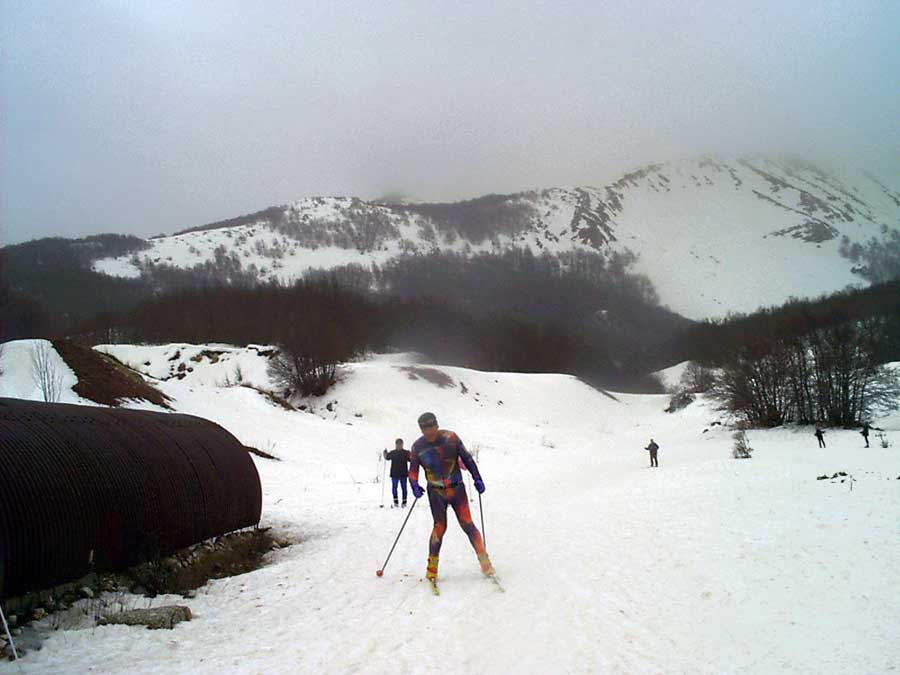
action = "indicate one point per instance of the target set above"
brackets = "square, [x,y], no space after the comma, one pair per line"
[479,485]
[417,490]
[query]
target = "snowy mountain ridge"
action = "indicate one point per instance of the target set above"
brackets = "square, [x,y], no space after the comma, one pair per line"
[713,236]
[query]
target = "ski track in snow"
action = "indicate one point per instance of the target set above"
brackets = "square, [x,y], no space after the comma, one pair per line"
[706,564]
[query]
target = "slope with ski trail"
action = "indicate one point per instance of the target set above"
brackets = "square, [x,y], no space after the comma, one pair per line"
[706,564]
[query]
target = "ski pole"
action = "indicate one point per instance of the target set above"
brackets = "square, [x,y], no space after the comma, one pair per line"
[378,573]
[383,480]
[481,511]
[9,635]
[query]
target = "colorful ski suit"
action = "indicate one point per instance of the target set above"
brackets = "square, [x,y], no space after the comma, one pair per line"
[446,488]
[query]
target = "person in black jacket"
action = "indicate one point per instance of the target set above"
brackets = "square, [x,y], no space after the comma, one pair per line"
[653,448]
[820,435]
[399,467]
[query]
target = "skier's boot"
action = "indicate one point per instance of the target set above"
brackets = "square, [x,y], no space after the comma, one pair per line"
[404,503]
[486,568]
[396,504]
[431,569]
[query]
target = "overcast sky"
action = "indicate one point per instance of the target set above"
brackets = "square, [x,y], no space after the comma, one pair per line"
[151,116]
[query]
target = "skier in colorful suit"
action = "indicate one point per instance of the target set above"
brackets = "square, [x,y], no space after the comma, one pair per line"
[438,451]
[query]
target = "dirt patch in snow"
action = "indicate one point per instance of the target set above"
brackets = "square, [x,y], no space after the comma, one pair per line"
[190,568]
[105,380]
[271,397]
[433,375]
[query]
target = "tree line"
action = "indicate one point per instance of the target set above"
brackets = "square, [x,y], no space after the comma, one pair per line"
[711,341]
[577,312]
[49,284]
[817,361]
[609,315]
[319,323]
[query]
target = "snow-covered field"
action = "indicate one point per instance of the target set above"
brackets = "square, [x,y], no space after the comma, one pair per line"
[706,564]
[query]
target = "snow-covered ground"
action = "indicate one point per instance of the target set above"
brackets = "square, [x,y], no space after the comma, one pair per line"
[18,373]
[671,376]
[707,564]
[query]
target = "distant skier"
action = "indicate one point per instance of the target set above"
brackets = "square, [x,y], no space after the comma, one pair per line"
[821,436]
[865,433]
[438,451]
[653,448]
[399,462]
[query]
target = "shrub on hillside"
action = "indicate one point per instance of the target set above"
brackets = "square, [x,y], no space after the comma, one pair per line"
[742,449]
[322,328]
[679,400]
[697,378]
[880,257]
[299,373]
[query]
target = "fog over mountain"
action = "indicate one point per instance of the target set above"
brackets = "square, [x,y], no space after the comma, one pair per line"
[152,117]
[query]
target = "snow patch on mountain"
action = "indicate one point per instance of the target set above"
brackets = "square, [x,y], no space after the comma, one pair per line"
[713,236]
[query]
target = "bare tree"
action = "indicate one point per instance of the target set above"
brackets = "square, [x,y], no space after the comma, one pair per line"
[882,394]
[44,371]
[828,375]
[752,383]
[298,372]
[697,378]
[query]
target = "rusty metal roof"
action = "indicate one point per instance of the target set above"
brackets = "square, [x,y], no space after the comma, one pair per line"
[122,485]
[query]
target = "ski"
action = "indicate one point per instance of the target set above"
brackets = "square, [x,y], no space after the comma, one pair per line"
[494,580]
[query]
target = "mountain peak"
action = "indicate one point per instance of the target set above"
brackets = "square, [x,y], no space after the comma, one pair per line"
[713,235]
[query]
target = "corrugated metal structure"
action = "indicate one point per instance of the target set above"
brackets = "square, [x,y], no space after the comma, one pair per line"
[123,486]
